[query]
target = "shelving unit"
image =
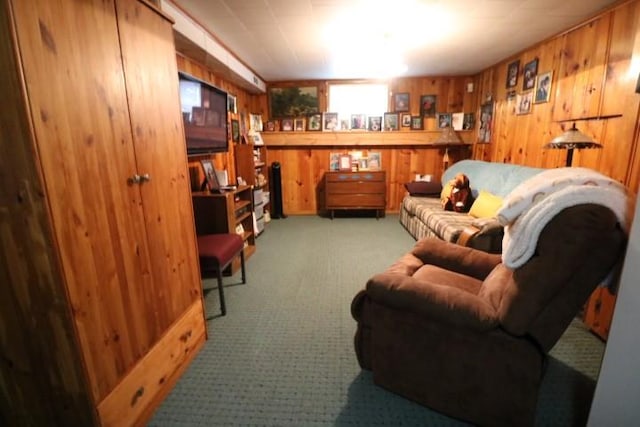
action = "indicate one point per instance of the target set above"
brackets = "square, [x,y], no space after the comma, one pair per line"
[228,212]
[251,165]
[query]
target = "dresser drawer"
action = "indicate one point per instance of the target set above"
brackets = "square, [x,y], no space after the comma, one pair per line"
[349,187]
[353,201]
[365,176]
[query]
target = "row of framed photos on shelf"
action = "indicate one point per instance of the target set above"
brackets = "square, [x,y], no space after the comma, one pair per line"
[355,161]
[387,122]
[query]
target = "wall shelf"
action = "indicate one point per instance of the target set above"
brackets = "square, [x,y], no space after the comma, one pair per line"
[355,138]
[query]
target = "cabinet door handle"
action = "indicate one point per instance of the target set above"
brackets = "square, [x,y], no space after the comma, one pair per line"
[139,179]
[135,179]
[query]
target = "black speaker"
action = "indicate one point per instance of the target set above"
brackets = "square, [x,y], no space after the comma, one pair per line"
[276,191]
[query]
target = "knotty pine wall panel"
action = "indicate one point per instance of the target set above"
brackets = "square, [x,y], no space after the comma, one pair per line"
[517,139]
[303,167]
[302,171]
[520,139]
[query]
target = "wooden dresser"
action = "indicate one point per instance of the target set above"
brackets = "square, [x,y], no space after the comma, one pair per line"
[355,190]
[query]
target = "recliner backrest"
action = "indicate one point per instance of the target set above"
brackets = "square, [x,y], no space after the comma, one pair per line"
[574,253]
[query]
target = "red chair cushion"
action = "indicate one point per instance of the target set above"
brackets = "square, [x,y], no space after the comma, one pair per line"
[221,247]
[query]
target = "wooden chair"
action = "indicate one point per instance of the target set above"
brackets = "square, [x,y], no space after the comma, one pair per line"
[216,252]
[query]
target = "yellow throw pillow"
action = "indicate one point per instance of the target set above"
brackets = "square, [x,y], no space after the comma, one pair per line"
[486,205]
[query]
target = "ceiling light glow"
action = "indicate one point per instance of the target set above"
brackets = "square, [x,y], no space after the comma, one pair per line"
[373,36]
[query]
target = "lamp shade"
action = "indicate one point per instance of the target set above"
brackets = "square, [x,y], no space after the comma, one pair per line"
[573,138]
[448,136]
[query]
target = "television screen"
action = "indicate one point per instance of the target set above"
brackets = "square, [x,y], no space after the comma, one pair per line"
[204,113]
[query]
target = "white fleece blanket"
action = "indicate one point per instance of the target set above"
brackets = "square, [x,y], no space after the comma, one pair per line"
[531,205]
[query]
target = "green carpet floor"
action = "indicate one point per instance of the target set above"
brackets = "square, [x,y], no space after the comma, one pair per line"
[283,355]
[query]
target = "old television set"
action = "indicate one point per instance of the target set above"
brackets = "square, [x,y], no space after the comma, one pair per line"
[204,113]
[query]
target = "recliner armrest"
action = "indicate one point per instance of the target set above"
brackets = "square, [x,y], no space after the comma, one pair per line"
[487,225]
[484,234]
[453,257]
[428,299]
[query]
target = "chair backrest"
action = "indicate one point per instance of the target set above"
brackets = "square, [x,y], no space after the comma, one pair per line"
[575,252]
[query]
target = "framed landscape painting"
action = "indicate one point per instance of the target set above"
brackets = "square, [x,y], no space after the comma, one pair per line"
[293,101]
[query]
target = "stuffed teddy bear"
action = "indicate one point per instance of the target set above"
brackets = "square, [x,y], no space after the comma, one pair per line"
[456,194]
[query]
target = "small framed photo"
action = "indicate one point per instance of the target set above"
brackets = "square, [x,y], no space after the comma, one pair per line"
[257,139]
[235,131]
[270,126]
[444,120]
[344,162]
[232,104]
[428,105]
[314,121]
[211,180]
[457,120]
[405,120]
[286,125]
[363,163]
[240,229]
[543,87]
[255,122]
[530,73]
[512,74]
[401,102]
[330,121]
[334,161]
[358,122]
[468,122]
[375,123]
[486,117]
[416,123]
[344,124]
[374,160]
[523,102]
[298,124]
[391,121]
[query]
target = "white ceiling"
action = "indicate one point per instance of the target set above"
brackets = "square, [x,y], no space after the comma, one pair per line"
[290,40]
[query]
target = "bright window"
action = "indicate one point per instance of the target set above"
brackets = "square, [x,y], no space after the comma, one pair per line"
[363,98]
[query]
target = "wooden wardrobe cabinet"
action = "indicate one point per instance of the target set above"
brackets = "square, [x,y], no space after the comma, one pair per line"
[100,303]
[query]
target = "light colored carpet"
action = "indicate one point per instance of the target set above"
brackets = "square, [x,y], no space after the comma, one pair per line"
[283,355]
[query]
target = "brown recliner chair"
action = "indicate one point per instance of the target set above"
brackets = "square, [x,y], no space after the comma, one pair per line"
[456,330]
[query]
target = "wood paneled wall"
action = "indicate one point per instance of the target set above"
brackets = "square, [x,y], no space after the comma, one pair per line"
[302,170]
[595,67]
[304,162]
